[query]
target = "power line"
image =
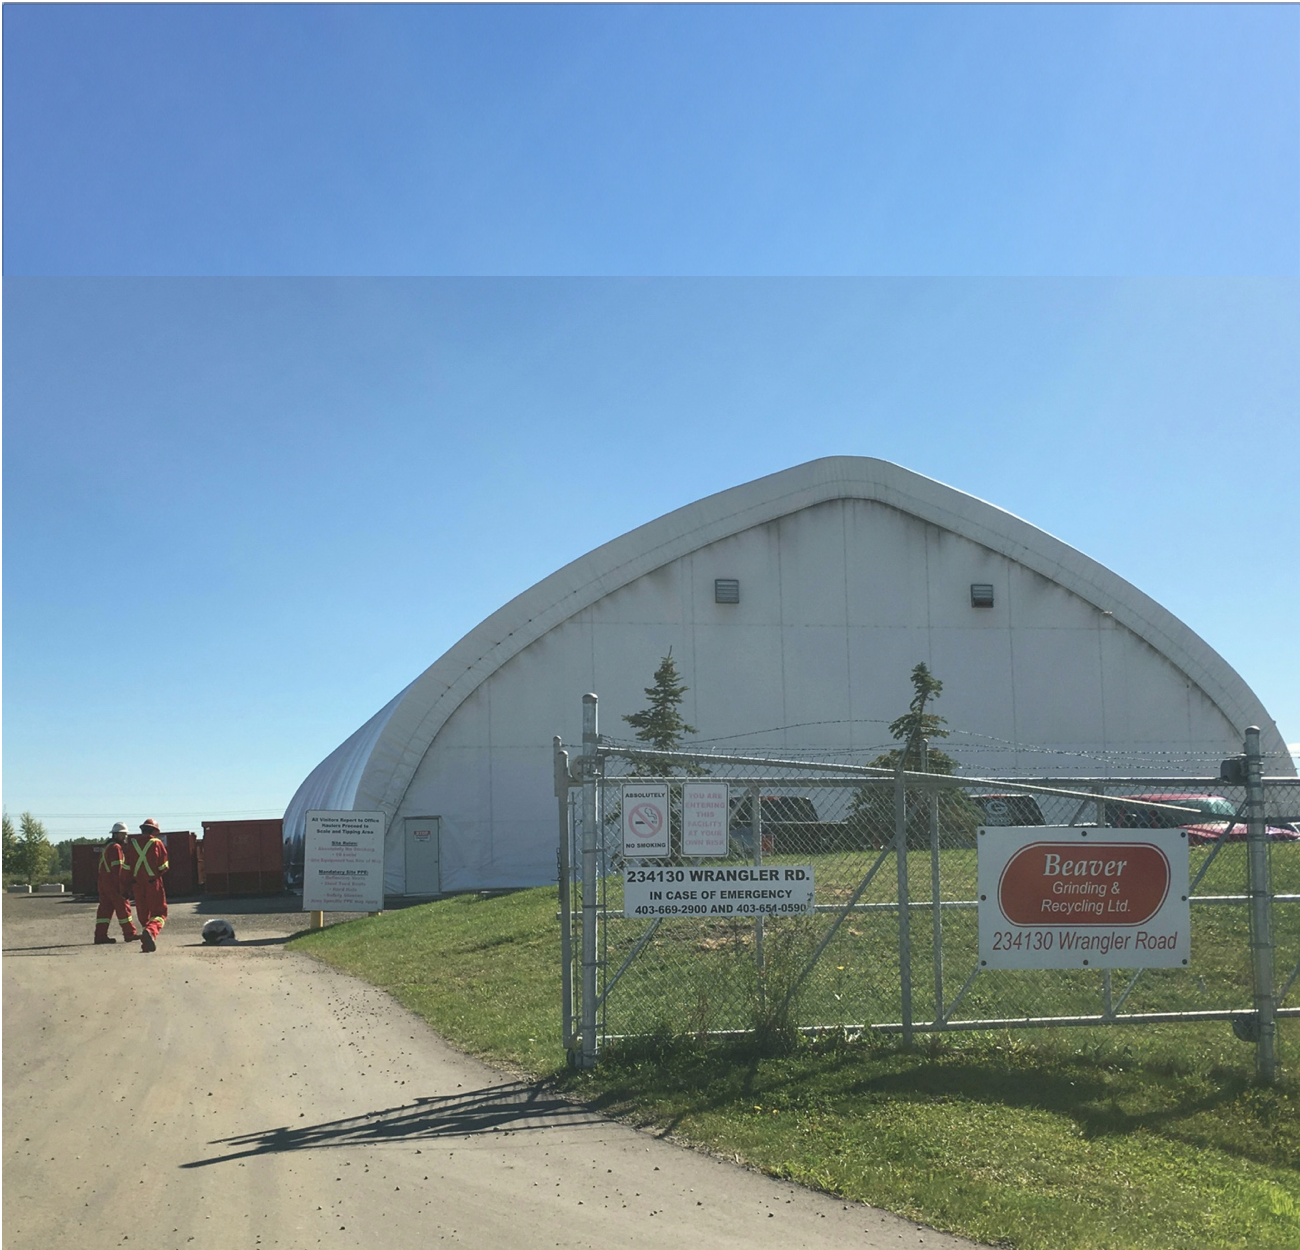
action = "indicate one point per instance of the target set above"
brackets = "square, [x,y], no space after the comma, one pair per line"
[225,811]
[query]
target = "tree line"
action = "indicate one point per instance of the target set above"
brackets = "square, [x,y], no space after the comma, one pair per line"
[27,854]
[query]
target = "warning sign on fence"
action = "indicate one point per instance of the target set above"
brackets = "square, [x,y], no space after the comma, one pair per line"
[1083,898]
[705,812]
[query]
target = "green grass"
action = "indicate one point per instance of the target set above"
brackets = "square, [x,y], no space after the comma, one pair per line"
[1032,1141]
[1150,1137]
[485,973]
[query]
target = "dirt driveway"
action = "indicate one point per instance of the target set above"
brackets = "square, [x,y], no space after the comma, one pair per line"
[245,1097]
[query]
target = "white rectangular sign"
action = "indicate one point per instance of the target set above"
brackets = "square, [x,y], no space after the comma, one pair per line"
[705,812]
[1064,897]
[784,890]
[645,819]
[343,865]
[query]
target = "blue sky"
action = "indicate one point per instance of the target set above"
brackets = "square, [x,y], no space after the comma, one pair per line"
[666,140]
[329,329]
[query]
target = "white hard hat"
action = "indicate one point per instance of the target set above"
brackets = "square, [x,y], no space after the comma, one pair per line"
[119,828]
[217,931]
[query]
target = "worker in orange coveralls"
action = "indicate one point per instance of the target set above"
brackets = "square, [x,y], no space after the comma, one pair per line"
[147,861]
[114,881]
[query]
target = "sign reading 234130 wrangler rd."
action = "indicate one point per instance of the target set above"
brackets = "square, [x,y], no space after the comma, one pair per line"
[1083,898]
[782,890]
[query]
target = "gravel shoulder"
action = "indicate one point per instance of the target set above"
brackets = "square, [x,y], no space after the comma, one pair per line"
[247,1096]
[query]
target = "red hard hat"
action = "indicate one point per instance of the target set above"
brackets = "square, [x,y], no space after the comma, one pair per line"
[151,824]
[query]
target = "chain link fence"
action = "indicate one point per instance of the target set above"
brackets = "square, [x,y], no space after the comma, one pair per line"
[857,960]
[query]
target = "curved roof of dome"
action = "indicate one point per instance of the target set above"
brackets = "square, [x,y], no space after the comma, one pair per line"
[375,766]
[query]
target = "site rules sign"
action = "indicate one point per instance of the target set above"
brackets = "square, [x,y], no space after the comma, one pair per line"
[1083,898]
[343,864]
[645,819]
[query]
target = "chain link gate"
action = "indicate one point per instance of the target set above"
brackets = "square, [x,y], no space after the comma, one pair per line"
[860,962]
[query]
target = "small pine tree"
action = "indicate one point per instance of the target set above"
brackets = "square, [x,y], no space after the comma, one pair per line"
[34,850]
[871,812]
[662,727]
[661,724]
[914,725]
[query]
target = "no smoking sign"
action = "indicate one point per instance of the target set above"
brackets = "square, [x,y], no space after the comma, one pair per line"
[645,820]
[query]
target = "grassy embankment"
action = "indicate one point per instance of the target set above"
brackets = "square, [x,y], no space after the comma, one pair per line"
[1151,1137]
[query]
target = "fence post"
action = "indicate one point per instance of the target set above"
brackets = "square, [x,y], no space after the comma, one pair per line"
[936,909]
[1261,902]
[904,913]
[590,732]
[756,832]
[565,871]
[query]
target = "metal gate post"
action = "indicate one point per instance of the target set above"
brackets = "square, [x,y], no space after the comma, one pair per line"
[936,910]
[756,832]
[1260,888]
[904,901]
[590,724]
[561,766]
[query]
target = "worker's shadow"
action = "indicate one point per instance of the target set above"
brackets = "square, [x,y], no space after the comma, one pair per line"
[45,950]
[511,1108]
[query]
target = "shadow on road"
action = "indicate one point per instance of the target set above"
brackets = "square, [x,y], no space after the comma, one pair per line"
[36,950]
[280,939]
[516,1107]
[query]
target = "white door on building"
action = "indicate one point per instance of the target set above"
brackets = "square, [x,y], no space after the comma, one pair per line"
[423,871]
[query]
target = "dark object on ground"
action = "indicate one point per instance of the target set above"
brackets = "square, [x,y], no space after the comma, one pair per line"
[217,931]
[1246,1027]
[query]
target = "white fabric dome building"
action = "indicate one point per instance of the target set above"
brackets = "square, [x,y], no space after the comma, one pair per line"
[845,572]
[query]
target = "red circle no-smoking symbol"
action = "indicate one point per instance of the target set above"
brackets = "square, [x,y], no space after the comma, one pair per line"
[645,821]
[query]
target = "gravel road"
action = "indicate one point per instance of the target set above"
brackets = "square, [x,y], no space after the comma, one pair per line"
[245,1097]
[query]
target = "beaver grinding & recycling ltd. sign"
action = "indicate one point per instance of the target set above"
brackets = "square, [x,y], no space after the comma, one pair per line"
[1083,898]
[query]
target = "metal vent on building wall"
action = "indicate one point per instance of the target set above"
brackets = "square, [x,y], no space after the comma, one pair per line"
[726,590]
[981,595]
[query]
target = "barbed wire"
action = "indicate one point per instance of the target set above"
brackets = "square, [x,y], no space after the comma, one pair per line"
[1207,752]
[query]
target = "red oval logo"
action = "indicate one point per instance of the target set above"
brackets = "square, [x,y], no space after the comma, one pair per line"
[1072,883]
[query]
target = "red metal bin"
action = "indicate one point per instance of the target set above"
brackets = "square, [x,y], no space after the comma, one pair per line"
[183,855]
[242,857]
[85,868]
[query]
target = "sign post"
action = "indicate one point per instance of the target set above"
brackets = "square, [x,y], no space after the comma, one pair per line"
[343,862]
[1083,898]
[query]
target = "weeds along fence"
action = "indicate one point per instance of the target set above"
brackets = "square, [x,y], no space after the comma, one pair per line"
[843,953]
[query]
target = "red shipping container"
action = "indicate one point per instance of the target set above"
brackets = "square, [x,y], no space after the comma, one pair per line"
[243,856]
[183,877]
[183,854]
[85,868]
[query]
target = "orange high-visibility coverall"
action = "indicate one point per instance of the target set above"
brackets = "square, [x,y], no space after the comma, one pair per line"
[114,880]
[147,861]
